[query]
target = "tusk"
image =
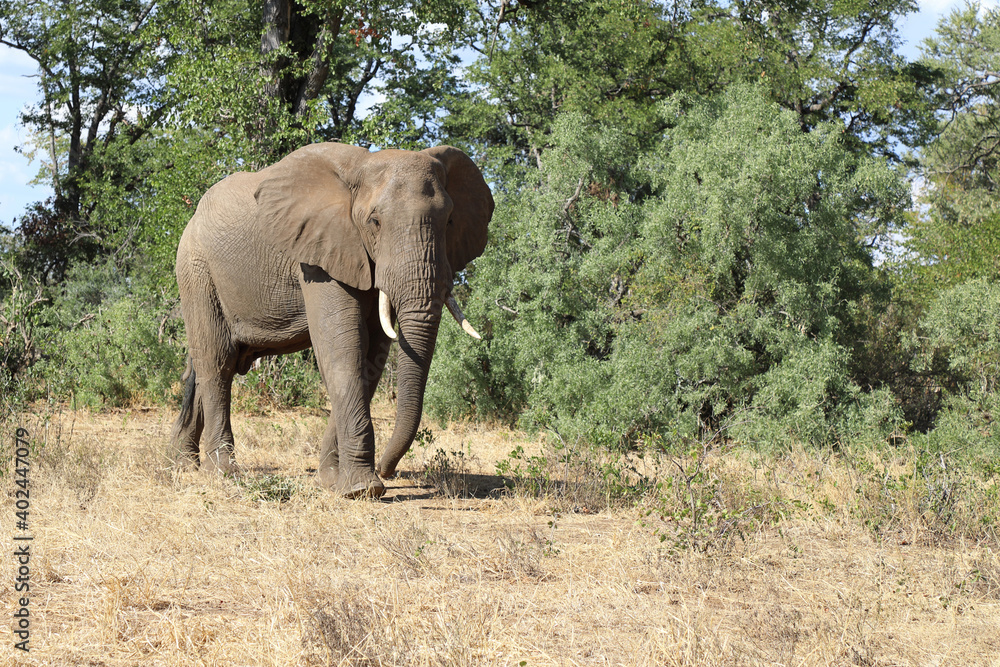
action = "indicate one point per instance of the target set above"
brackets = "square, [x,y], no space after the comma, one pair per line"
[459,316]
[385,315]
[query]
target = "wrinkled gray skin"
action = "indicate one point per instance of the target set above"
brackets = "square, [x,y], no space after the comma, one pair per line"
[294,256]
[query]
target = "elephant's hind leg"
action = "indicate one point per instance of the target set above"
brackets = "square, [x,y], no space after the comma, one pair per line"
[215,389]
[213,362]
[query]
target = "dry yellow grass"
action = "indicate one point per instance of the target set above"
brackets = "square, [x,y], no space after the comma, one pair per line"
[135,564]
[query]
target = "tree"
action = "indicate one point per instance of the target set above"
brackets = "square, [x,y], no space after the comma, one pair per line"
[834,59]
[147,103]
[829,60]
[96,59]
[723,300]
[955,235]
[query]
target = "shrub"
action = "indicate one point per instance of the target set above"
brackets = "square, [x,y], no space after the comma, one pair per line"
[960,332]
[709,286]
[118,357]
[285,381]
[105,347]
[20,312]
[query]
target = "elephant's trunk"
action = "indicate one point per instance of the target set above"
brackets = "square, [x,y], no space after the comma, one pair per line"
[418,329]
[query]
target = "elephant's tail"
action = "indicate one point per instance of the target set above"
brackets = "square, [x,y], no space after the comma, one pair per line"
[187,405]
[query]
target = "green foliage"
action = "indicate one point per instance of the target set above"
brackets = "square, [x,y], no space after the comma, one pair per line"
[106,346]
[706,285]
[959,345]
[21,312]
[955,234]
[963,324]
[291,380]
[108,361]
[616,62]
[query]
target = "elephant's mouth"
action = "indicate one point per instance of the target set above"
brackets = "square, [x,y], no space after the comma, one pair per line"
[385,316]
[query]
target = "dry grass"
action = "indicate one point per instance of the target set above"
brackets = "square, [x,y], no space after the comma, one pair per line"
[135,564]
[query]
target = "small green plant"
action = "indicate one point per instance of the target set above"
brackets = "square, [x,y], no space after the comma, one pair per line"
[422,439]
[526,475]
[447,471]
[550,544]
[701,508]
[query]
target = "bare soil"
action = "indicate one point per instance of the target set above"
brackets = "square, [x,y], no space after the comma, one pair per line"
[134,563]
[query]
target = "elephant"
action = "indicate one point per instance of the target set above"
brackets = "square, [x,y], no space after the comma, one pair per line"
[330,247]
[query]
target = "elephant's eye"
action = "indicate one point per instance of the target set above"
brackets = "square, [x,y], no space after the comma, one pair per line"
[375,222]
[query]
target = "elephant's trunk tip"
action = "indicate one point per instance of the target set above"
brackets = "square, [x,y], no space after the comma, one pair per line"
[386,469]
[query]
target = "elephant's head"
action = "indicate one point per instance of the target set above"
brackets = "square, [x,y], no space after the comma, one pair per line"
[400,221]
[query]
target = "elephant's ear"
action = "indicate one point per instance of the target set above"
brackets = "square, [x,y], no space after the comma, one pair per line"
[473,206]
[304,210]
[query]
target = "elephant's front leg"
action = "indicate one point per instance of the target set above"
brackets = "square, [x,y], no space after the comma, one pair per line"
[336,315]
[378,354]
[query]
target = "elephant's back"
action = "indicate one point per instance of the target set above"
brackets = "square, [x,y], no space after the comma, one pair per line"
[256,286]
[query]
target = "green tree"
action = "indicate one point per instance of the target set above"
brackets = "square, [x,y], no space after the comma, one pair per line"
[829,60]
[722,300]
[955,234]
[96,59]
[132,90]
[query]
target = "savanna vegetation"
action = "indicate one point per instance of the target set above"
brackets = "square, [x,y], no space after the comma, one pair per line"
[742,284]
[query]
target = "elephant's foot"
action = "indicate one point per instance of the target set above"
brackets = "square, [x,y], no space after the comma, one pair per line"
[221,460]
[326,478]
[186,463]
[184,456]
[351,483]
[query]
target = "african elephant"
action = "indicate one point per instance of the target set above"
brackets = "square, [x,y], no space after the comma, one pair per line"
[326,248]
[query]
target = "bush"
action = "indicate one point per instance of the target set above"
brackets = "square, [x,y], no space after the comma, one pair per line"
[105,347]
[707,287]
[285,381]
[20,312]
[960,333]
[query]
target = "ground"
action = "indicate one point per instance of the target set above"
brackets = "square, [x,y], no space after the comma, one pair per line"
[134,563]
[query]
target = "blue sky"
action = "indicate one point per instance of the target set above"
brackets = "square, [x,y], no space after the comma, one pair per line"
[18,89]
